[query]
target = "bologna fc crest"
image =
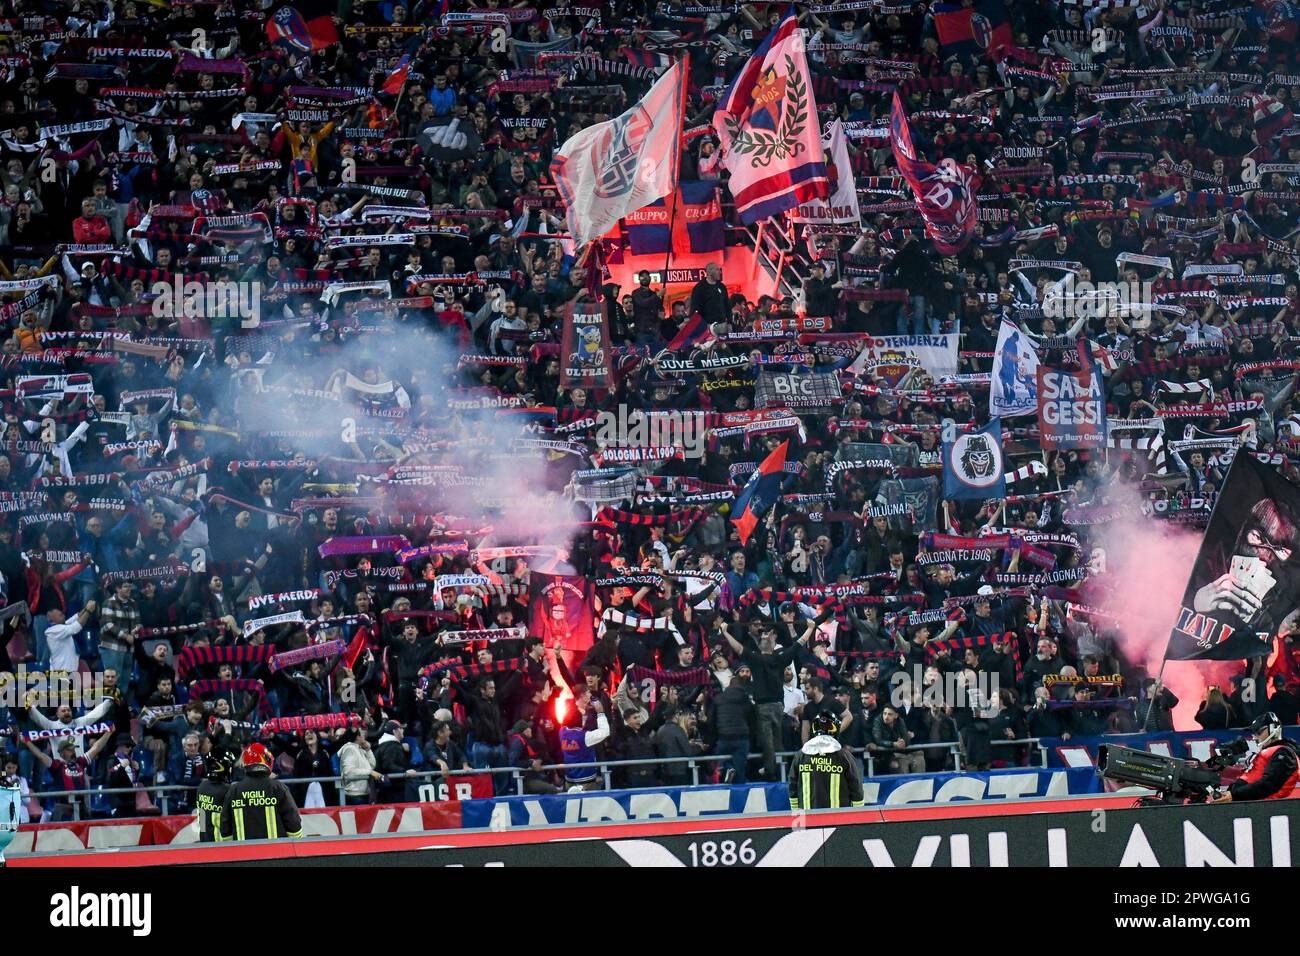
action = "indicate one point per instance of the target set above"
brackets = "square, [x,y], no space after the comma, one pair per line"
[767,97]
[615,153]
[893,365]
[982,30]
[290,29]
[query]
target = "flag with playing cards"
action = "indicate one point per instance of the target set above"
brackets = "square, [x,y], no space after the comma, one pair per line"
[1245,585]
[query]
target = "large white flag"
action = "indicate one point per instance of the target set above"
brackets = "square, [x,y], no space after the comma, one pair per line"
[842,207]
[614,168]
[1013,389]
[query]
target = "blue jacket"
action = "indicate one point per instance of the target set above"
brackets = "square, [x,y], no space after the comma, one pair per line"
[102,550]
[739,584]
[444,101]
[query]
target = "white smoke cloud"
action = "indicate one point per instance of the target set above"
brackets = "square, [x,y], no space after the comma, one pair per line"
[514,491]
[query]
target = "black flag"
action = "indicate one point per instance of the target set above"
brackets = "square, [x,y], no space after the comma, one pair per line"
[1245,584]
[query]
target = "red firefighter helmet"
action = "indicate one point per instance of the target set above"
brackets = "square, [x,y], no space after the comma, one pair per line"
[256,755]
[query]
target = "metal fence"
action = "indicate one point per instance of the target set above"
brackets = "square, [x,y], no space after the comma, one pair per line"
[164,795]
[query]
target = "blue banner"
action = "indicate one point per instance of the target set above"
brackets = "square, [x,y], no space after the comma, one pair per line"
[972,465]
[597,806]
[1188,744]
[676,802]
[979,785]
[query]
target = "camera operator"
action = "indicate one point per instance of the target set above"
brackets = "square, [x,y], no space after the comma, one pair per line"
[1271,769]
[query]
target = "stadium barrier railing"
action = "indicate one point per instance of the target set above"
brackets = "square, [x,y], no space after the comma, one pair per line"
[163,795]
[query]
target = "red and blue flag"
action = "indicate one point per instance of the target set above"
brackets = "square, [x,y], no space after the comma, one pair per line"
[972,30]
[769,130]
[288,29]
[1280,18]
[697,226]
[395,80]
[760,492]
[694,333]
[1072,405]
[945,194]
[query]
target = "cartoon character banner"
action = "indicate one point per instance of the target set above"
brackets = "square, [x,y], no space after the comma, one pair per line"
[1013,389]
[585,348]
[1245,585]
[972,464]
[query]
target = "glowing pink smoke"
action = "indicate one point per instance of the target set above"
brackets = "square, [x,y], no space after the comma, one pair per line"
[1147,565]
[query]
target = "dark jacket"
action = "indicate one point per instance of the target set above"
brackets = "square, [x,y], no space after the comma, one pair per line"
[391,758]
[1285,705]
[637,746]
[259,807]
[976,739]
[647,310]
[883,735]
[1214,716]
[1001,664]
[1036,670]
[935,728]
[820,297]
[671,741]
[769,673]
[207,805]
[410,656]
[307,764]
[710,301]
[1042,722]
[733,711]
[486,721]
[453,756]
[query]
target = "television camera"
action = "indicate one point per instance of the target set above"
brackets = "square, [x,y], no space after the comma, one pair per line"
[1175,781]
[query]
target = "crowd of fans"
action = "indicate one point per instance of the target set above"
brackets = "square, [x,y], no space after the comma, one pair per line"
[169,475]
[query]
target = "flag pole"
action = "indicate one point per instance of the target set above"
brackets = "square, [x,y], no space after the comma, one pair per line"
[1151,701]
[685,63]
[668,252]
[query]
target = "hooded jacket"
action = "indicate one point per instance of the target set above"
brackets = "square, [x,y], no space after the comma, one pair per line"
[389,755]
[355,766]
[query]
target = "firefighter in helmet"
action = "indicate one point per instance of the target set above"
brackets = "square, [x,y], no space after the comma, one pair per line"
[259,807]
[825,773]
[219,765]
